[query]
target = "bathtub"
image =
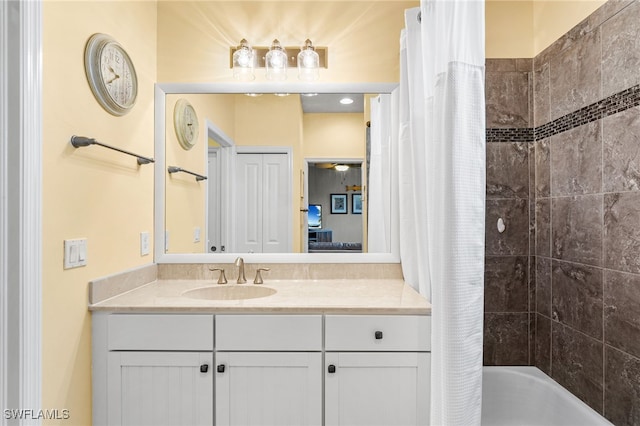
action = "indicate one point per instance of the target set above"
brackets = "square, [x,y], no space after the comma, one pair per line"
[519,396]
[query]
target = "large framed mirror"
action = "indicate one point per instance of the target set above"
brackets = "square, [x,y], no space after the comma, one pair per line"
[288,178]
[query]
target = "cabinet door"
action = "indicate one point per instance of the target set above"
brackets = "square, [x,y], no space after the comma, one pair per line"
[369,389]
[160,388]
[268,388]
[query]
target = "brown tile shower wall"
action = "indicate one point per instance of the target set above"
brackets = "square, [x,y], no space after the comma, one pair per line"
[509,312]
[587,211]
[562,283]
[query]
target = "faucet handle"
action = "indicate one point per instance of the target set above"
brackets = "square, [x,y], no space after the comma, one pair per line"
[258,279]
[221,279]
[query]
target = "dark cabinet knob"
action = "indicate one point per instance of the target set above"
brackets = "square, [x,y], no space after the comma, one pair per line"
[204,368]
[378,335]
[332,368]
[220,368]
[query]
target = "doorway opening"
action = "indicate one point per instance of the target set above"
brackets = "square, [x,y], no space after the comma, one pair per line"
[336,212]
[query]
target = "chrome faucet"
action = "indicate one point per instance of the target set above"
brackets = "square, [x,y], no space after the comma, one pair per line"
[240,264]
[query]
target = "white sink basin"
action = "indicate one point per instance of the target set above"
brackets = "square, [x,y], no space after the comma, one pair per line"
[229,292]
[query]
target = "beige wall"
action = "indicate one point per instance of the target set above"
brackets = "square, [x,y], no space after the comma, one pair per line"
[362,37]
[334,136]
[90,192]
[509,29]
[553,18]
[185,204]
[524,28]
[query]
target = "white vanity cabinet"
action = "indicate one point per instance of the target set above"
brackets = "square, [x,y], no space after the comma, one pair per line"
[152,369]
[377,370]
[268,370]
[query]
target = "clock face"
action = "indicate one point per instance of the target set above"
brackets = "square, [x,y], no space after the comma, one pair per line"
[185,122]
[111,74]
[115,68]
[190,123]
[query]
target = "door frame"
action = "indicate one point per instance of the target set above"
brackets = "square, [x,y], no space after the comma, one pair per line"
[21,206]
[305,202]
[226,154]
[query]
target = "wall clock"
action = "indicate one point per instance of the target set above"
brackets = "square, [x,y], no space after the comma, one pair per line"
[111,74]
[185,122]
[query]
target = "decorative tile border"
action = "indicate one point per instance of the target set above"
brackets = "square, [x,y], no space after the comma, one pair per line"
[510,135]
[613,104]
[610,105]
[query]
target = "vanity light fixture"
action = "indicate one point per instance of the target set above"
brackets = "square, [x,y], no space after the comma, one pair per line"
[308,62]
[243,62]
[276,58]
[346,101]
[341,167]
[276,62]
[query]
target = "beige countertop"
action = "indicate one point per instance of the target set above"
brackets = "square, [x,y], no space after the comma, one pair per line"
[332,296]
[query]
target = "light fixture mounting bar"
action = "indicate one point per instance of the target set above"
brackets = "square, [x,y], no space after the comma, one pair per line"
[292,55]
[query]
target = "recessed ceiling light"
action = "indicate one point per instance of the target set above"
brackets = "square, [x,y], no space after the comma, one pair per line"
[253,95]
[342,167]
[346,101]
[309,94]
[281,94]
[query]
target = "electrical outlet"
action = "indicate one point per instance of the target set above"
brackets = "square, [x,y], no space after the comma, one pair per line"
[75,253]
[144,243]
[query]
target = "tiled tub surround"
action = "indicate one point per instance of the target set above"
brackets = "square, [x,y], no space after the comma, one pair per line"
[585,198]
[509,285]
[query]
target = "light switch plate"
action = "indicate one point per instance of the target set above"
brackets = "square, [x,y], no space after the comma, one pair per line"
[144,243]
[196,234]
[75,253]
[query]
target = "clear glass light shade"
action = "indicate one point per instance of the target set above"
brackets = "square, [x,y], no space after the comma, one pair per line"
[308,63]
[276,62]
[243,62]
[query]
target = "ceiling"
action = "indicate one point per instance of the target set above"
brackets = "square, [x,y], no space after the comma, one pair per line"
[330,103]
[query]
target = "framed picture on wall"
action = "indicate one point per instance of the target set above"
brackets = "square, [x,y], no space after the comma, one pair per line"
[356,203]
[338,203]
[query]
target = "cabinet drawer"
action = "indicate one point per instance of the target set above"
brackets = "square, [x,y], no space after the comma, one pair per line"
[160,332]
[269,332]
[377,333]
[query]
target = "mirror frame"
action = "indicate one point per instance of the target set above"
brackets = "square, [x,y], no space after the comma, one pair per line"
[162,89]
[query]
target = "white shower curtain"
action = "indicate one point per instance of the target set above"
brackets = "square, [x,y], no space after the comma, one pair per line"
[442,189]
[379,191]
